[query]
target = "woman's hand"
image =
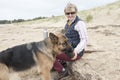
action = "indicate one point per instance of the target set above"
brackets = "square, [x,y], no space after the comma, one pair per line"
[75,56]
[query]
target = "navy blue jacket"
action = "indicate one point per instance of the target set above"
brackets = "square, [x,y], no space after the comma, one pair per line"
[72,34]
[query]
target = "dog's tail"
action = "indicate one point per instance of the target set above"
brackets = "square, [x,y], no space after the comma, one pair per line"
[5,56]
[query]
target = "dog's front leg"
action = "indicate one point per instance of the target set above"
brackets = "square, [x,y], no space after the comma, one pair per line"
[45,73]
[4,72]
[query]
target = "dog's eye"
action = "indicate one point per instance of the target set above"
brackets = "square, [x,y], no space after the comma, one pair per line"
[65,43]
[60,43]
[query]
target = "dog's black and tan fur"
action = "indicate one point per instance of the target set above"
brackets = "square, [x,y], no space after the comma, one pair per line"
[41,53]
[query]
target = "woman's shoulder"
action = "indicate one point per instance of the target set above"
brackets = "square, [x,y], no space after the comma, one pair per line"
[80,23]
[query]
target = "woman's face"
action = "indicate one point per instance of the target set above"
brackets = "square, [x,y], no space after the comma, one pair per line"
[70,15]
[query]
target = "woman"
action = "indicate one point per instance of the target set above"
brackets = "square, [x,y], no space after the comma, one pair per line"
[75,31]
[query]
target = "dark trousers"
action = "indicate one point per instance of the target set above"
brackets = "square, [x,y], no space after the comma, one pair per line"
[58,66]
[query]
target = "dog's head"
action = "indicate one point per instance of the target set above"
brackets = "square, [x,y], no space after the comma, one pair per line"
[60,43]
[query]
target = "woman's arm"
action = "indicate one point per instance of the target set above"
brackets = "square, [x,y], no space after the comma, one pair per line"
[81,28]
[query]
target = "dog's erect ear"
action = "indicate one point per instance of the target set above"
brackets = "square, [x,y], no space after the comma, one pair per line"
[54,38]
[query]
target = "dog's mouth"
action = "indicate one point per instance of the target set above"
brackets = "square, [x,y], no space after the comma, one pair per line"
[63,50]
[67,50]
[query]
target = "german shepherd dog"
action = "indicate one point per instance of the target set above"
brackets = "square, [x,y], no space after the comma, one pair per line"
[40,53]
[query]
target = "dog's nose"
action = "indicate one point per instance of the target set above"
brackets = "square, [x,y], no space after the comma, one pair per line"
[69,50]
[63,50]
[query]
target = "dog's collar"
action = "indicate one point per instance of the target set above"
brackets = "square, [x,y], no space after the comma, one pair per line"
[53,53]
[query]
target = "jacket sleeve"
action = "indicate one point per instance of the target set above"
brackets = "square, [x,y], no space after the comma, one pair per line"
[81,28]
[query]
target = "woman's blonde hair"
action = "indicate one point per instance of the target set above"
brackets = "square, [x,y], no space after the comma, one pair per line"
[70,8]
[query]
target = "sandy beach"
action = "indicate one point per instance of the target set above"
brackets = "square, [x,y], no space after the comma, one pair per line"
[104,38]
